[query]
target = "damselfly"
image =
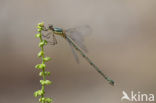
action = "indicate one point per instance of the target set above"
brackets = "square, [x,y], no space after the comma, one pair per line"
[74,37]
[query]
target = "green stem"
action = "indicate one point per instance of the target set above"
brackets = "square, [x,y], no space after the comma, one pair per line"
[42,66]
[43,70]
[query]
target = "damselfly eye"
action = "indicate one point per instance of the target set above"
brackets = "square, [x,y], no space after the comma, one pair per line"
[51,27]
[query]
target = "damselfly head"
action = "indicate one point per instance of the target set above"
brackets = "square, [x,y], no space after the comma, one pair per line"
[51,27]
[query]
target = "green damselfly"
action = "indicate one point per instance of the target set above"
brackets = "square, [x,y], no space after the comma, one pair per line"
[74,37]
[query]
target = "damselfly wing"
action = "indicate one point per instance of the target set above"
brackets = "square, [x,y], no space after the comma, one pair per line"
[77,34]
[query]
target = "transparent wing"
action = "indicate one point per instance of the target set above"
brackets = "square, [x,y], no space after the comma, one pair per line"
[77,35]
[74,53]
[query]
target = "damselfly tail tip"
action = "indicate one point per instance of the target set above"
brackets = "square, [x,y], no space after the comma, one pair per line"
[111,82]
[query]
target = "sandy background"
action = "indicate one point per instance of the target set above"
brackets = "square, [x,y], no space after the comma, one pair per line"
[122,44]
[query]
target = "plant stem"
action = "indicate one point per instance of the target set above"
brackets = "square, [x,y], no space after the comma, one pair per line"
[42,67]
[43,70]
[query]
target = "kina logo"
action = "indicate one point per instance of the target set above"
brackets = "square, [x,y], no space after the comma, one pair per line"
[137,96]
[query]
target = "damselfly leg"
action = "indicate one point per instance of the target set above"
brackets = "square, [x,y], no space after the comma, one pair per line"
[48,36]
[54,41]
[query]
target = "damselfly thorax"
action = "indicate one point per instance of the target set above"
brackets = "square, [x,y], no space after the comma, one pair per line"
[58,31]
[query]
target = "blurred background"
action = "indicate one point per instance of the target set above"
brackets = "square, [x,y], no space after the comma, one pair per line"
[122,44]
